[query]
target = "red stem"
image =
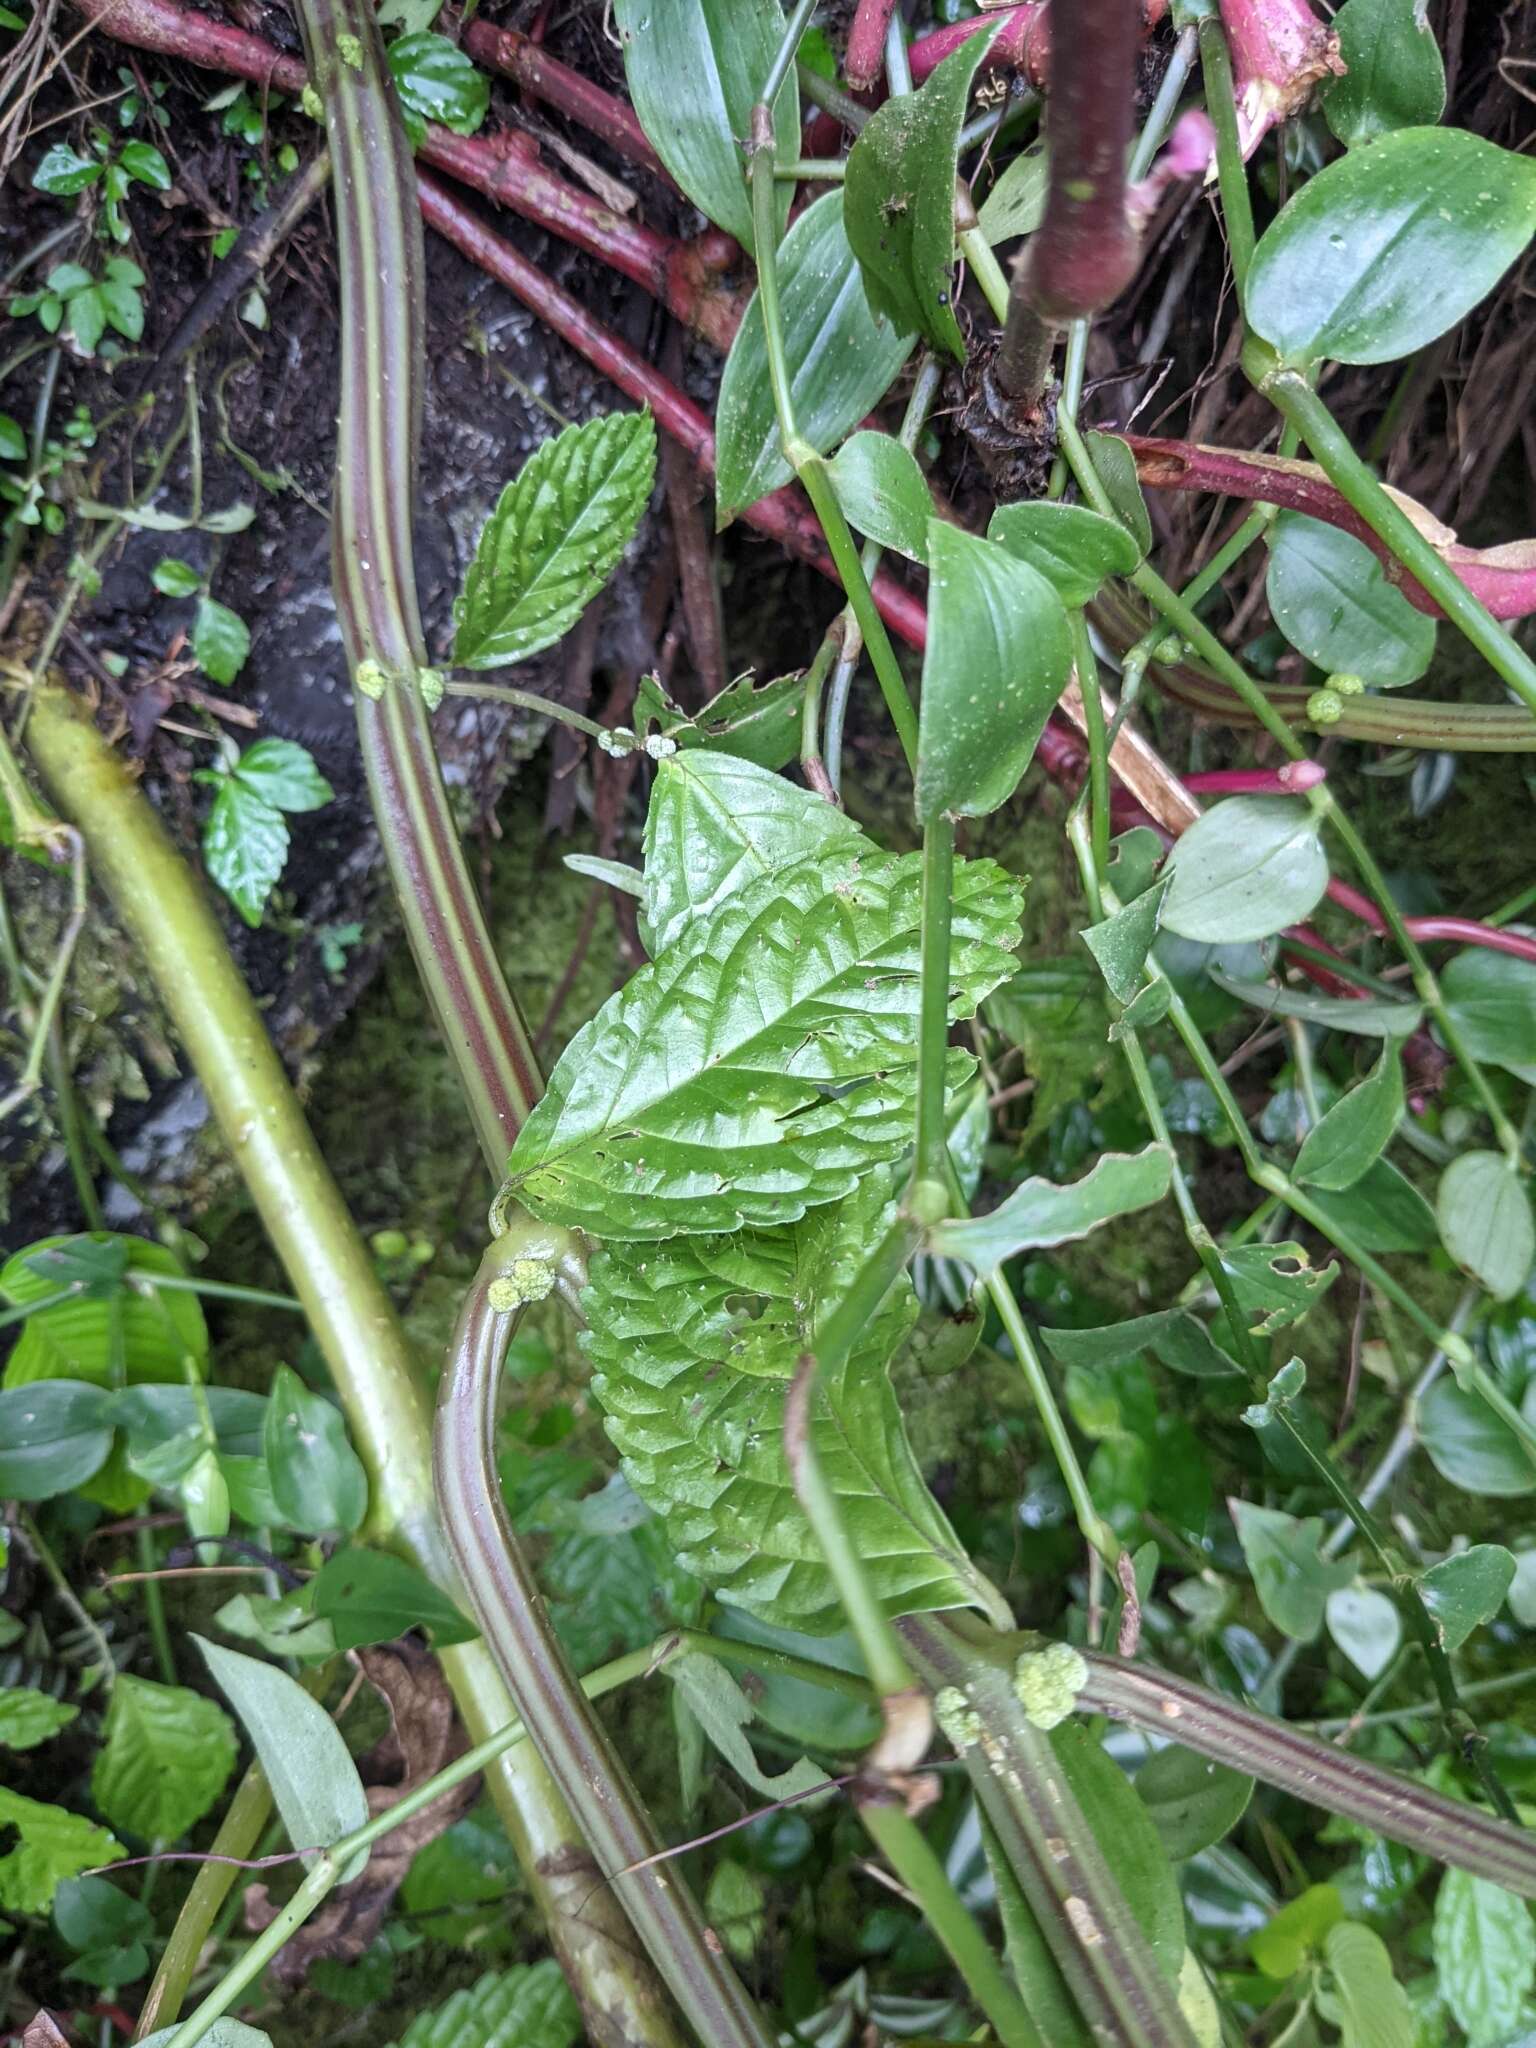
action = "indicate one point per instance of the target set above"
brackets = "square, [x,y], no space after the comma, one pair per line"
[1292,779]
[1022,42]
[1086,251]
[1503,578]
[866,43]
[521,59]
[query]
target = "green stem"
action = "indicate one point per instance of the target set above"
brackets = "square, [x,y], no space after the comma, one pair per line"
[1231,171]
[1085,662]
[784,56]
[525,1262]
[1290,392]
[166,913]
[244,1818]
[906,1849]
[154,1606]
[212,1290]
[23,1309]
[529,700]
[930,1192]
[56,1577]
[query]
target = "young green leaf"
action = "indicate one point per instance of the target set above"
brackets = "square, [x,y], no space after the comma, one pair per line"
[765,1061]
[1016,203]
[1341,272]
[1366,1626]
[1465,1590]
[28,1716]
[1039,1213]
[753,721]
[283,1627]
[1484,1213]
[1485,1955]
[997,658]
[245,846]
[1193,1802]
[1121,943]
[1367,1017]
[883,493]
[437,82]
[557,531]
[695,69]
[51,1845]
[1074,549]
[284,775]
[1471,1446]
[693,1347]
[81,1339]
[1394,75]
[223,2033]
[13,440]
[106,1928]
[1373,2009]
[1296,1931]
[1116,465]
[1352,1135]
[527,2006]
[313,1778]
[220,640]
[841,356]
[1330,597]
[1276,1284]
[1492,1001]
[725,1713]
[717,823]
[54,1435]
[1174,1337]
[317,1478]
[900,199]
[165,1759]
[1290,1574]
[617,874]
[1249,867]
[370,1596]
[175,578]
[63,171]
[144,163]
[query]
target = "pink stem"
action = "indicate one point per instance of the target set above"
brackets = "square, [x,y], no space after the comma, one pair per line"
[1291,780]
[1022,42]
[521,59]
[866,43]
[1504,578]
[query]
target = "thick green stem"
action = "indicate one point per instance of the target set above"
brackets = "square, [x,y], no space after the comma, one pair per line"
[1231,171]
[1085,662]
[164,911]
[244,1818]
[525,1263]
[1290,392]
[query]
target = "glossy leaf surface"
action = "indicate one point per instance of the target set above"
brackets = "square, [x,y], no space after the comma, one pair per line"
[883,493]
[842,359]
[1485,1955]
[1073,548]
[1246,869]
[317,1479]
[1394,75]
[1330,597]
[1492,998]
[1193,1802]
[47,1845]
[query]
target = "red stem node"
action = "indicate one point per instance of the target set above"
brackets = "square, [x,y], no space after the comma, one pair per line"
[866,44]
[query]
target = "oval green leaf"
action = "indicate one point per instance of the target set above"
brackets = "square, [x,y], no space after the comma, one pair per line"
[1388,248]
[1462,1591]
[883,493]
[1351,1136]
[1330,597]
[1394,75]
[842,359]
[998,656]
[317,1478]
[1492,1001]
[1193,1802]
[1246,869]
[54,1435]
[1471,1446]
[1485,1955]
[1485,1221]
[1074,549]
[695,69]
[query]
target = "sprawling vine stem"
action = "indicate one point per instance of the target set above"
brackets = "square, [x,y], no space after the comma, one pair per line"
[510,1609]
[166,914]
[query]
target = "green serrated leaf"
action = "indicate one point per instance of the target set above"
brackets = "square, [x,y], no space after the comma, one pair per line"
[437,82]
[1394,75]
[1349,1138]
[85,1338]
[1246,869]
[693,1347]
[1484,1213]
[1485,1956]
[557,531]
[221,640]
[369,1596]
[1340,274]
[1465,1590]
[313,1778]
[842,359]
[1039,1213]
[166,1757]
[28,1716]
[883,492]
[765,1062]
[695,69]
[717,823]
[900,200]
[528,2006]
[245,847]
[1074,549]
[753,721]
[317,1478]
[284,775]
[1330,597]
[1290,1574]
[52,1844]
[997,657]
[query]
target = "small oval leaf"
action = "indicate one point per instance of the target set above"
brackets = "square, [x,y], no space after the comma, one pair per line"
[1245,870]
[1485,1221]
[1330,597]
